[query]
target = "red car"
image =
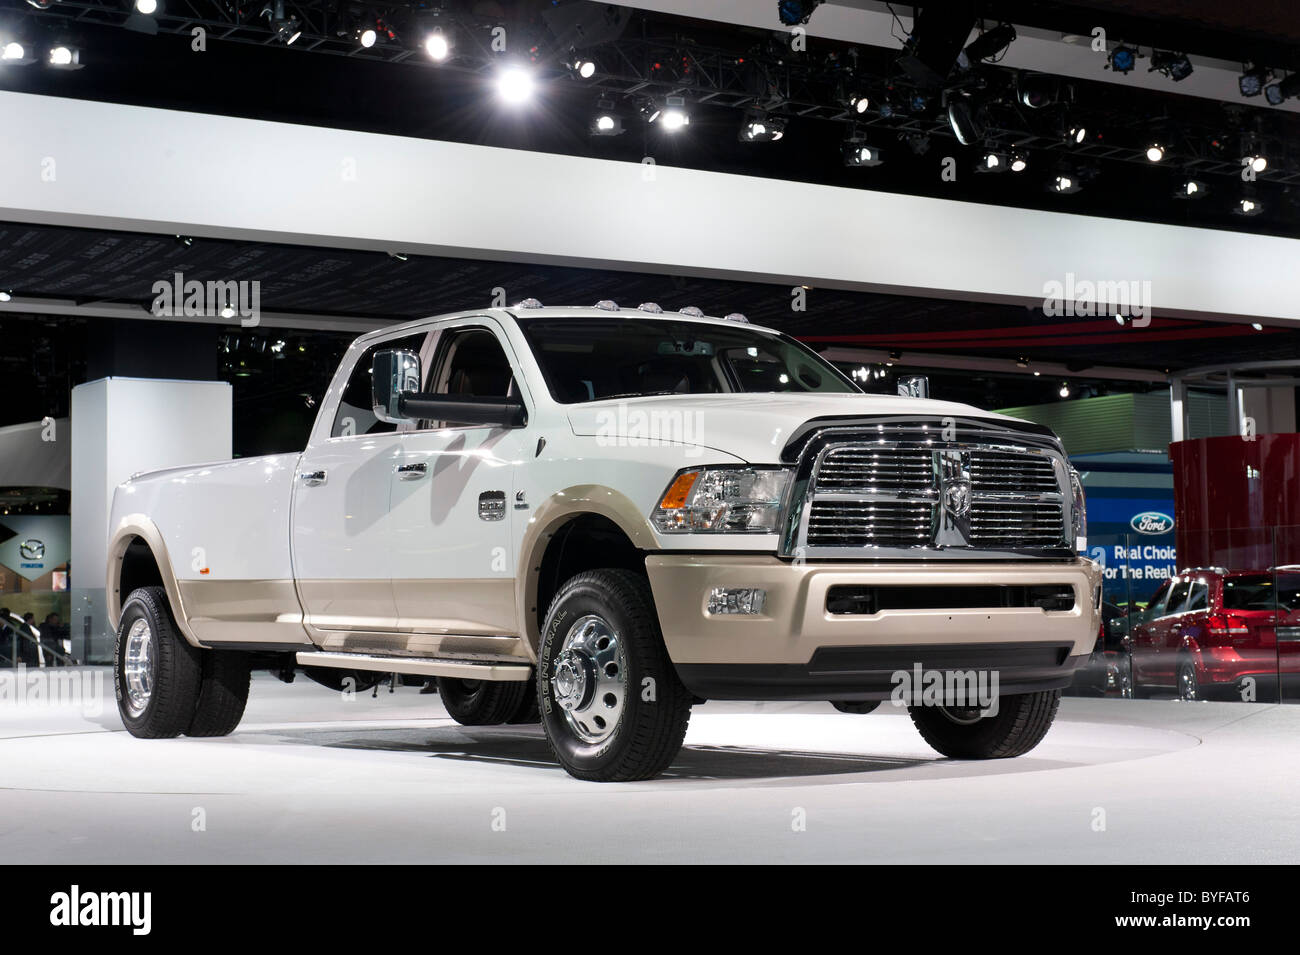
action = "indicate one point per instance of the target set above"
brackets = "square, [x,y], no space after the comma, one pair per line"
[1210,632]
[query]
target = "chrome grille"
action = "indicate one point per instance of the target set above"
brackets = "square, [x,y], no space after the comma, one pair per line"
[835,523]
[857,468]
[907,491]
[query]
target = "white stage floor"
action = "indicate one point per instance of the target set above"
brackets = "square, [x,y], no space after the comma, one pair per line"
[310,777]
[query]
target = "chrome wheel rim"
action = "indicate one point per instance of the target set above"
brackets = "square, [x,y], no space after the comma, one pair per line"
[137,666]
[1186,683]
[588,681]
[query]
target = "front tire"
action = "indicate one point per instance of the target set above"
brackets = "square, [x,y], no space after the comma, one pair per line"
[1021,722]
[612,705]
[481,702]
[156,673]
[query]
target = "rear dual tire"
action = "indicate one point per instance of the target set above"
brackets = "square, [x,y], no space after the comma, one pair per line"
[166,687]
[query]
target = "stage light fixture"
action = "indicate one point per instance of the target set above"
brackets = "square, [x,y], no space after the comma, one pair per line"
[437,46]
[1064,391]
[515,85]
[792,13]
[858,153]
[582,68]
[1066,184]
[1176,66]
[760,127]
[987,45]
[1155,152]
[1037,91]
[1248,207]
[1191,189]
[1019,163]
[147,7]
[64,57]
[13,52]
[964,122]
[1252,81]
[606,122]
[674,116]
[994,162]
[1281,91]
[1076,135]
[1256,161]
[1122,59]
[367,37]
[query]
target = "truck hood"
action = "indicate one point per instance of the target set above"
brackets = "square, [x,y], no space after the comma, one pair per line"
[751,426]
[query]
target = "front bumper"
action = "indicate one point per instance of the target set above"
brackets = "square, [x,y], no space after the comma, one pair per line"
[797,650]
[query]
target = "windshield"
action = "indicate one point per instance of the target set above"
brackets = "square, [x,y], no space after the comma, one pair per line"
[587,359]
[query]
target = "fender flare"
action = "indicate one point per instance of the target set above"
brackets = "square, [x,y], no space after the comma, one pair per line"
[557,510]
[128,529]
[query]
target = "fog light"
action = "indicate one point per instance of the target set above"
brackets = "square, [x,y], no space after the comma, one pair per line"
[737,600]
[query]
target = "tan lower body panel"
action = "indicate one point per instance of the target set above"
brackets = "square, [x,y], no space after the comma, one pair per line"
[795,623]
[243,611]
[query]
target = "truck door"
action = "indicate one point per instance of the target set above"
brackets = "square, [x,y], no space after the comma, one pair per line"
[341,521]
[453,506]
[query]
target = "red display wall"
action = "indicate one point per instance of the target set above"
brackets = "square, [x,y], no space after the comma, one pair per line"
[1237,501]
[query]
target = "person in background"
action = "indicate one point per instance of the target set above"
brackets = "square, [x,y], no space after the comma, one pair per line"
[52,637]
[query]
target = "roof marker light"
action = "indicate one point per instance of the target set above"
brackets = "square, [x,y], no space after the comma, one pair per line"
[736,317]
[692,311]
[608,305]
[529,303]
[652,307]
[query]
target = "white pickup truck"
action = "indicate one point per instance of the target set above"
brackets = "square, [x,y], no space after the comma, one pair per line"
[597,517]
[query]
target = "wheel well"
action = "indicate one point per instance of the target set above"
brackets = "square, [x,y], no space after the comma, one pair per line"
[139,569]
[587,542]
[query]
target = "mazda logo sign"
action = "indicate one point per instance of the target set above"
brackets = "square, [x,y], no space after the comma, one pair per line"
[32,549]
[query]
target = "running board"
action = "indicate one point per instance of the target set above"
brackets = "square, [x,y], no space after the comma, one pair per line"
[450,668]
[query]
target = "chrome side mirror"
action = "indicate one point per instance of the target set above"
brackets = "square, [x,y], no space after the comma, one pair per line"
[914,386]
[394,372]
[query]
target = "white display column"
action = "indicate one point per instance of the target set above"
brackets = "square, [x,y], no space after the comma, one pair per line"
[122,426]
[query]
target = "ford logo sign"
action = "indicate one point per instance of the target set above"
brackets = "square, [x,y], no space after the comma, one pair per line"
[1152,522]
[32,549]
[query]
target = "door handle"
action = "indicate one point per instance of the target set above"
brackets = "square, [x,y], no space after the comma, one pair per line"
[312,478]
[411,472]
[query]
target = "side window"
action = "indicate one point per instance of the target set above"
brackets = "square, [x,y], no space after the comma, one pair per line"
[1178,598]
[1200,596]
[1156,606]
[472,362]
[355,413]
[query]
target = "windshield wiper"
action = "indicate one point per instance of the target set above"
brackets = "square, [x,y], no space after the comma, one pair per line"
[639,394]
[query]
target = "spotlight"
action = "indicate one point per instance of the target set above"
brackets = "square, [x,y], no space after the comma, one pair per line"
[1122,59]
[1176,66]
[1248,207]
[515,85]
[63,57]
[858,153]
[1076,135]
[606,122]
[964,122]
[994,162]
[674,116]
[1066,184]
[1251,82]
[6,295]
[794,12]
[1018,163]
[987,45]
[761,128]
[1278,93]
[650,111]
[436,45]
[858,102]
[1065,389]
[367,36]
[581,68]
[147,7]
[1155,152]
[1036,90]
[1257,162]
[1191,189]
[14,52]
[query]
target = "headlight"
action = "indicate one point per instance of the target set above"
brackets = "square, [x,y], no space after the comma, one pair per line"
[738,500]
[1078,513]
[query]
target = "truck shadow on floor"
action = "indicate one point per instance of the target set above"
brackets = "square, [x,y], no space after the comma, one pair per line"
[514,748]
